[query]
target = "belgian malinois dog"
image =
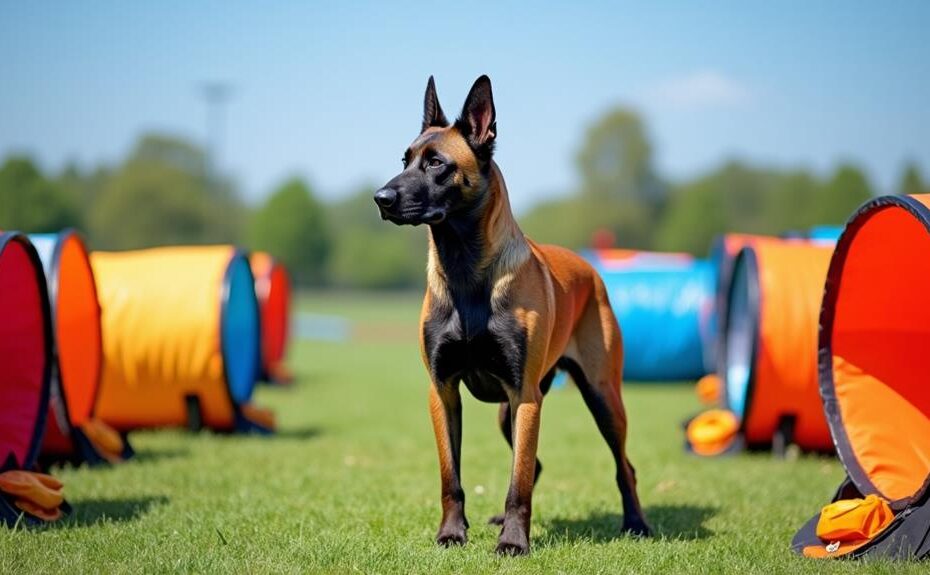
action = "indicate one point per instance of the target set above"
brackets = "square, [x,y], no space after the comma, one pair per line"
[501,314]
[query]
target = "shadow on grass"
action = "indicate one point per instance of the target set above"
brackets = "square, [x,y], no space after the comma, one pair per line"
[311,432]
[680,522]
[92,511]
[156,455]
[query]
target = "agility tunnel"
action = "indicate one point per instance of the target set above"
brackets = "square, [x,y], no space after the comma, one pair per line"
[874,383]
[273,289]
[723,253]
[25,379]
[72,432]
[770,395]
[664,303]
[181,339]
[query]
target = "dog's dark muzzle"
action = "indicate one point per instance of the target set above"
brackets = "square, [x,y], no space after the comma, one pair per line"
[399,211]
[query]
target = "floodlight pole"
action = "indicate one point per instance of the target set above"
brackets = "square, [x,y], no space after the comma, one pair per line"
[216,94]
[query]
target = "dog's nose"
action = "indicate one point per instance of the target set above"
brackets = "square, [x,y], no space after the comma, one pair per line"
[386,197]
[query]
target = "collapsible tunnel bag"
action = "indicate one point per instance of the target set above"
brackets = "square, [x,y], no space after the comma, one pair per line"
[664,304]
[273,289]
[181,339]
[72,431]
[874,377]
[769,340]
[25,357]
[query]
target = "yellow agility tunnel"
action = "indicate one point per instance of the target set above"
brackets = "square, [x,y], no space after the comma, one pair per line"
[273,289]
[72,431]
[181,339]
[770,395]
[874,376]
[25,380]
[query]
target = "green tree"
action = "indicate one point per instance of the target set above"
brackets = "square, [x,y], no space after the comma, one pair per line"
[845,191]
[911,181]
[370,253]
[615,161]
[573,221]
[741,198]
[293,227]
[29,202]
[162,194]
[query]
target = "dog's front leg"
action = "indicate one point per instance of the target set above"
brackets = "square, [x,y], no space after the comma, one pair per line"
[515,535]
[445,408]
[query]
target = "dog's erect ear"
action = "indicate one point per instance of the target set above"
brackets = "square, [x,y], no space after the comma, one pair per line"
[432,111]
[478,122]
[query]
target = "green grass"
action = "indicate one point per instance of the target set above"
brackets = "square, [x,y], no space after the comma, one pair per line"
[350,484]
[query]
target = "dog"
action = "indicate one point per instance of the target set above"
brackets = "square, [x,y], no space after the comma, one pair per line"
[501,314]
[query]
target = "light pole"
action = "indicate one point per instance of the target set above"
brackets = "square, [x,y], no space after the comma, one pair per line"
[216,94]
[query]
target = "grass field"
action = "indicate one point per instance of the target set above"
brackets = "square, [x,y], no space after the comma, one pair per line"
[350,484]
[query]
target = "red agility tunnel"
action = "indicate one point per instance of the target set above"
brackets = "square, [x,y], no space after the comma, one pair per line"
[73,433]
[26,359]
[874,378]
[273,290]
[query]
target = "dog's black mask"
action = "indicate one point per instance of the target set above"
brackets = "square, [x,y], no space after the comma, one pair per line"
[445,168]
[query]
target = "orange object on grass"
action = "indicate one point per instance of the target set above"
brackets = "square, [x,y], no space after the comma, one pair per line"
[854,519]
[712,432]
[708,389]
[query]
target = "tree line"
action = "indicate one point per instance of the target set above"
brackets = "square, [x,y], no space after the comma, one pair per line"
[164,192]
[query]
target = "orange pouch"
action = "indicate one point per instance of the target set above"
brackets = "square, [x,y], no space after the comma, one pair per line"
[854,519]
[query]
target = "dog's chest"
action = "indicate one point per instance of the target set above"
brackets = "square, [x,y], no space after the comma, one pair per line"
[485,350]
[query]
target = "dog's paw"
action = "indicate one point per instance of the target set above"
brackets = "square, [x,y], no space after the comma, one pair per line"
[513,541]
[451,536]
[496,520]
[636,528]
[512,548]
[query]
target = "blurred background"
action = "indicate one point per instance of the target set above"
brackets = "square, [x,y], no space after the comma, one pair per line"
[649,127]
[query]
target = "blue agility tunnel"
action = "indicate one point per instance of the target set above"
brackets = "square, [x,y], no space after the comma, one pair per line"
[826,234]
[665,306]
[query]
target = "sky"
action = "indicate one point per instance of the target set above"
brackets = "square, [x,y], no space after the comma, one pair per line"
[332,91]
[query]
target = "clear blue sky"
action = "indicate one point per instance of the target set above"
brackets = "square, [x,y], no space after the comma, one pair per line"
[333,90]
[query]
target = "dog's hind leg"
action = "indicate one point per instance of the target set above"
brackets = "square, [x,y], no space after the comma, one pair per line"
[505,421]
[596,367]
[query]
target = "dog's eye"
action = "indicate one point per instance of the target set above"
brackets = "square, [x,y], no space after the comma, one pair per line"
[434,163]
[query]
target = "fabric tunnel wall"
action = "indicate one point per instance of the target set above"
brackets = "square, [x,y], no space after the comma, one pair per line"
[72,431]
[25,379]
[664,304]
[273,289]
[723,255]
[770,347]
[874,376]
[181,339]
[769,396]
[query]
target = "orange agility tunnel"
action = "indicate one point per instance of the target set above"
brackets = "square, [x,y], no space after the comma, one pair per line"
[273,289]
[769,352]
[72,431]
[26,360]
[874,379]
[181,339]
